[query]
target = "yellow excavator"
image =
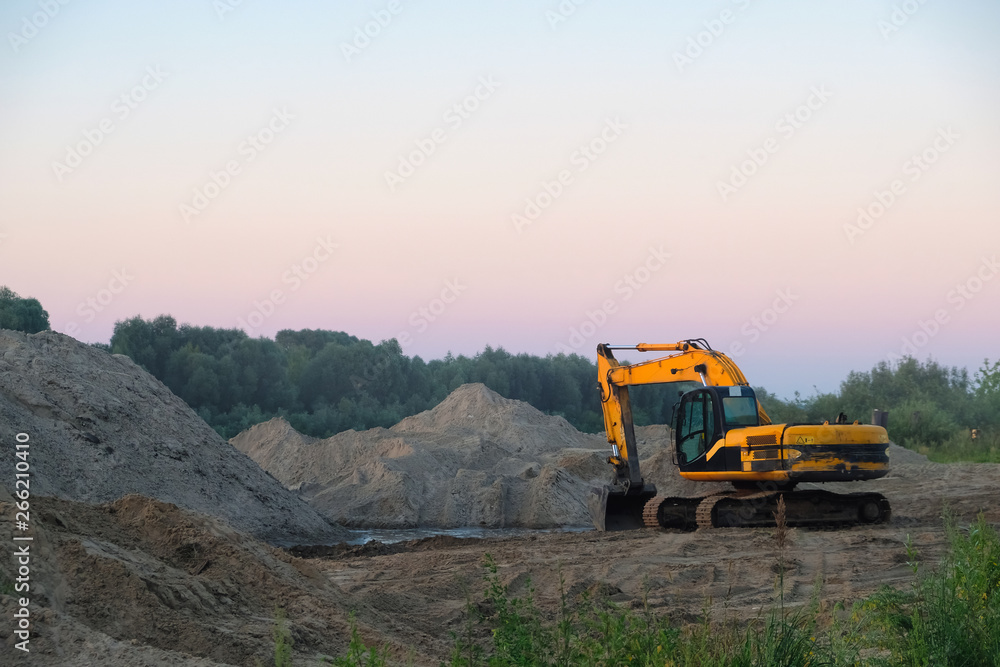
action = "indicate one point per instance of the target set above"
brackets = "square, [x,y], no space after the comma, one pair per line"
[722,434]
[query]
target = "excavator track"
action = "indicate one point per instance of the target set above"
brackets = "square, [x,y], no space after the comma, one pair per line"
[707,517]
[803,508]
[651,512]
[736,509]
[670,512]
[705,506]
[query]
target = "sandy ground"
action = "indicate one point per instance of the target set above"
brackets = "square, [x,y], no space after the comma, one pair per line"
[732,571]
[141,582]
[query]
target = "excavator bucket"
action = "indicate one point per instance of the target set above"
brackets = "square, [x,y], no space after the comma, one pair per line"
[611,509]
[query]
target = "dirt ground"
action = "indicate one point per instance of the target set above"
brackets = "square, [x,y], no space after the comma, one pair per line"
[140,582]
[733,571]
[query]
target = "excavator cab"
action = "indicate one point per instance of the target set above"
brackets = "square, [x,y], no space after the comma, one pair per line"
[701,420]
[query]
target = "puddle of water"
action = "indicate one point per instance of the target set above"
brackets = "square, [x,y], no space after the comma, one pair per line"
[391,535]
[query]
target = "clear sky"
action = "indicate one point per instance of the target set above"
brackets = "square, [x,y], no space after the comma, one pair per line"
[811,186]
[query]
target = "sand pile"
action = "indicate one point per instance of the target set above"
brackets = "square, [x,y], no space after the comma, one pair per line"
[101,427]
[477,459]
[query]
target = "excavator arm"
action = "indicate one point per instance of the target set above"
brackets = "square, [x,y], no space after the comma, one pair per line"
[694,361]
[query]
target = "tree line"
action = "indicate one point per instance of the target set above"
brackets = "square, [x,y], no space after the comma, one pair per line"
[324,382]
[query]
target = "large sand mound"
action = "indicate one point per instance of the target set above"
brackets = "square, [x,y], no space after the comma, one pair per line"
[101,427]
[477,459]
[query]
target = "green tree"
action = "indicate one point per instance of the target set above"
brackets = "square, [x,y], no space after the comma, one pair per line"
[926,401]
[988,378]
[21,314]
[148,342]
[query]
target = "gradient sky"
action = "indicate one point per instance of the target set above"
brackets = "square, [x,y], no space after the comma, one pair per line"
[107,239]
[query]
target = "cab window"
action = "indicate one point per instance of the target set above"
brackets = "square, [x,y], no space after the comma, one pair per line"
[740,410]
[696,427]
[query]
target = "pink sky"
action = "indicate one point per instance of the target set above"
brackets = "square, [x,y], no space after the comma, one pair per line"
[312,134]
